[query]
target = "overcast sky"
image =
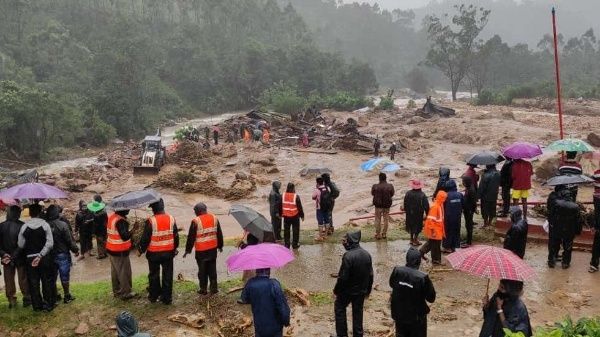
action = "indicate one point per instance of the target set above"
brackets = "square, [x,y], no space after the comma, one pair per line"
[392,4]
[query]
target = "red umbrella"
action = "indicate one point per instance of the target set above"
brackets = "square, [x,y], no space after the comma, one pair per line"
[491,262]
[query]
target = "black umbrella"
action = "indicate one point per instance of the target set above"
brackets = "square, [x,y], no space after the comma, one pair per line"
[134,199]
[252,221]
[485,158]
[569,180]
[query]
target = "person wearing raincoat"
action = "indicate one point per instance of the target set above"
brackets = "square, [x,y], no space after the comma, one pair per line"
[595,261]
[453,208]
[127,326]
[434,229]
[469,209]
[444,174]
[416,207]
[505,310]
[516,237]
[275,209]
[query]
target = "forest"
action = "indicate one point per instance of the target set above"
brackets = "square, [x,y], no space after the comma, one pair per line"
[77,71]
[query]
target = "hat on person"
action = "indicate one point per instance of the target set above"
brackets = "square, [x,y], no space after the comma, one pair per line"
[416,184]
[96,206]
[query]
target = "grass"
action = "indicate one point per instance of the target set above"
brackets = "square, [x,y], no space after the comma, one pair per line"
[321,298]
[94,301]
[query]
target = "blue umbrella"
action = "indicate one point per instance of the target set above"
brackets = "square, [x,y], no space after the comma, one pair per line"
[370,164]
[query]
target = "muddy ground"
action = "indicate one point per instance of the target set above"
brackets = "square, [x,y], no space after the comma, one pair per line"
[426,145]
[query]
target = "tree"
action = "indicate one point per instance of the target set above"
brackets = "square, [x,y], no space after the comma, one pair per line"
[452,44]
[417,81]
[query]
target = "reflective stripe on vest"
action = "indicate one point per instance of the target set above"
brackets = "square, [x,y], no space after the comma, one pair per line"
[290,209]
[162,239]
[206,232]
[114,243]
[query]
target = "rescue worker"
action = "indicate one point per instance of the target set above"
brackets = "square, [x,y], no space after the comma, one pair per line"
[275,209]
[411,290]
[160,241]
[35,242]
[292,212]
[516,237]
[118,245]
[570,166]
[13,265]
[434,229]
[393,150]
[565,224]
[247,136]
[206,237]
[453,207]
[376,147]
[266,136]
[216,134]
[354,284]
[64,244]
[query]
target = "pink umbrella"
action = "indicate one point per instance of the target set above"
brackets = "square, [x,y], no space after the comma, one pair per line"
[263,255]
[33,191]
[520,150]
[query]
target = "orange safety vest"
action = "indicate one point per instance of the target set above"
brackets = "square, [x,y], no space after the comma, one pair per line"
[246,135]
[114,243]
[163,239]
[266,136]
[206,232]
[290,209]
[434,224]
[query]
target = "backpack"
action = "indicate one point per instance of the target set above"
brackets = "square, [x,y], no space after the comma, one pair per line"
[335,192]
[326,199]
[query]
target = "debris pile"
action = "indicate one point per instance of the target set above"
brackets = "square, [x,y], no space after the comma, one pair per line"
[206,183]
[188,153]
[429,110]
[124,157]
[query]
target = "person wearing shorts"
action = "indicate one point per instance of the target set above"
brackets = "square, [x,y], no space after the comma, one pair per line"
[521,183]
[322,214]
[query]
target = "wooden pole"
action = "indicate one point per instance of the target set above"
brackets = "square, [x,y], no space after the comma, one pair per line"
[557,66]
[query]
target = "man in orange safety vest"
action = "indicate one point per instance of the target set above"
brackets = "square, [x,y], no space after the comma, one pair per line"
[118,245]
[206,237]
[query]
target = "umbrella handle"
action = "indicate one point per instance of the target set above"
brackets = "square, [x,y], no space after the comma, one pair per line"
[487,289]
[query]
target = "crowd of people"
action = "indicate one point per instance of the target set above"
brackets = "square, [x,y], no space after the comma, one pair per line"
[38,251]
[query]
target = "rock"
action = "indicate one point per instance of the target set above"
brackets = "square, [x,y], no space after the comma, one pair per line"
[231,163]
[273,169]
[415,120]
[241,176]
[594,139]
[53,332]
[362,121]
[547,168]
[268,161]
[414,134]
[95,188]
[82,329]
[508,115]
[402,173]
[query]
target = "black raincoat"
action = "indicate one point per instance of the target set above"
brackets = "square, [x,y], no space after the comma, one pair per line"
[444,173]
[516,237]
[356,272]
[416,206]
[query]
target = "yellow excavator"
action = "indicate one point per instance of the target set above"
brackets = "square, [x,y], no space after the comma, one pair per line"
[153,155]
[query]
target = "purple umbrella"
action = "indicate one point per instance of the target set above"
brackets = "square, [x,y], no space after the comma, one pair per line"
[520,150]
[263,255]
[33,191]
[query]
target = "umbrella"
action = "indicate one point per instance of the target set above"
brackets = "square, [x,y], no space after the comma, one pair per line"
[134,199]
[95,206]
[381,164]
[520,150]
[262,255]
[485,158]
[491,262]
[569,180]
[314,171]
[570,145]
[33,191]
[251,221]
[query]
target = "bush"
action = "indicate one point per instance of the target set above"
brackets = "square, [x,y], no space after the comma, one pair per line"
[282,98]
[485,97]
[568,328]
[99,133]
[345,101]
[411,104]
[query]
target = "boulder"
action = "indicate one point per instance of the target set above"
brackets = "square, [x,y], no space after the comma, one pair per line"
[273,169]
[82,329]
[363,121]
[414,134]
[415,120]
[241,176]
[594,139]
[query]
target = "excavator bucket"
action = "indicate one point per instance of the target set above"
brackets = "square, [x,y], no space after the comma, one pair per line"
[145,170]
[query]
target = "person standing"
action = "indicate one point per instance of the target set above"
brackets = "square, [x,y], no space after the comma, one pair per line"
[516,237]
[160,241]
[84,225]
[270,310]
[470,172]
[411,290]
[595,261]
[305,141]
[393,150]
[469,209]
[506,184]
[64,244]
[97,207]
[416,207]
[216,134]
[565,223]
[354,284]
[444,176]
[266,136]
[335,193]
[275,209]
[13,265]
[382,200]
[206,237]
[488,194]
[434,229]
[35,242]
[453,207]
[505,310]
[118,245]
[570,166]
[207,133]
[322,197]
[521,173]
[376,147]
[292,212]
